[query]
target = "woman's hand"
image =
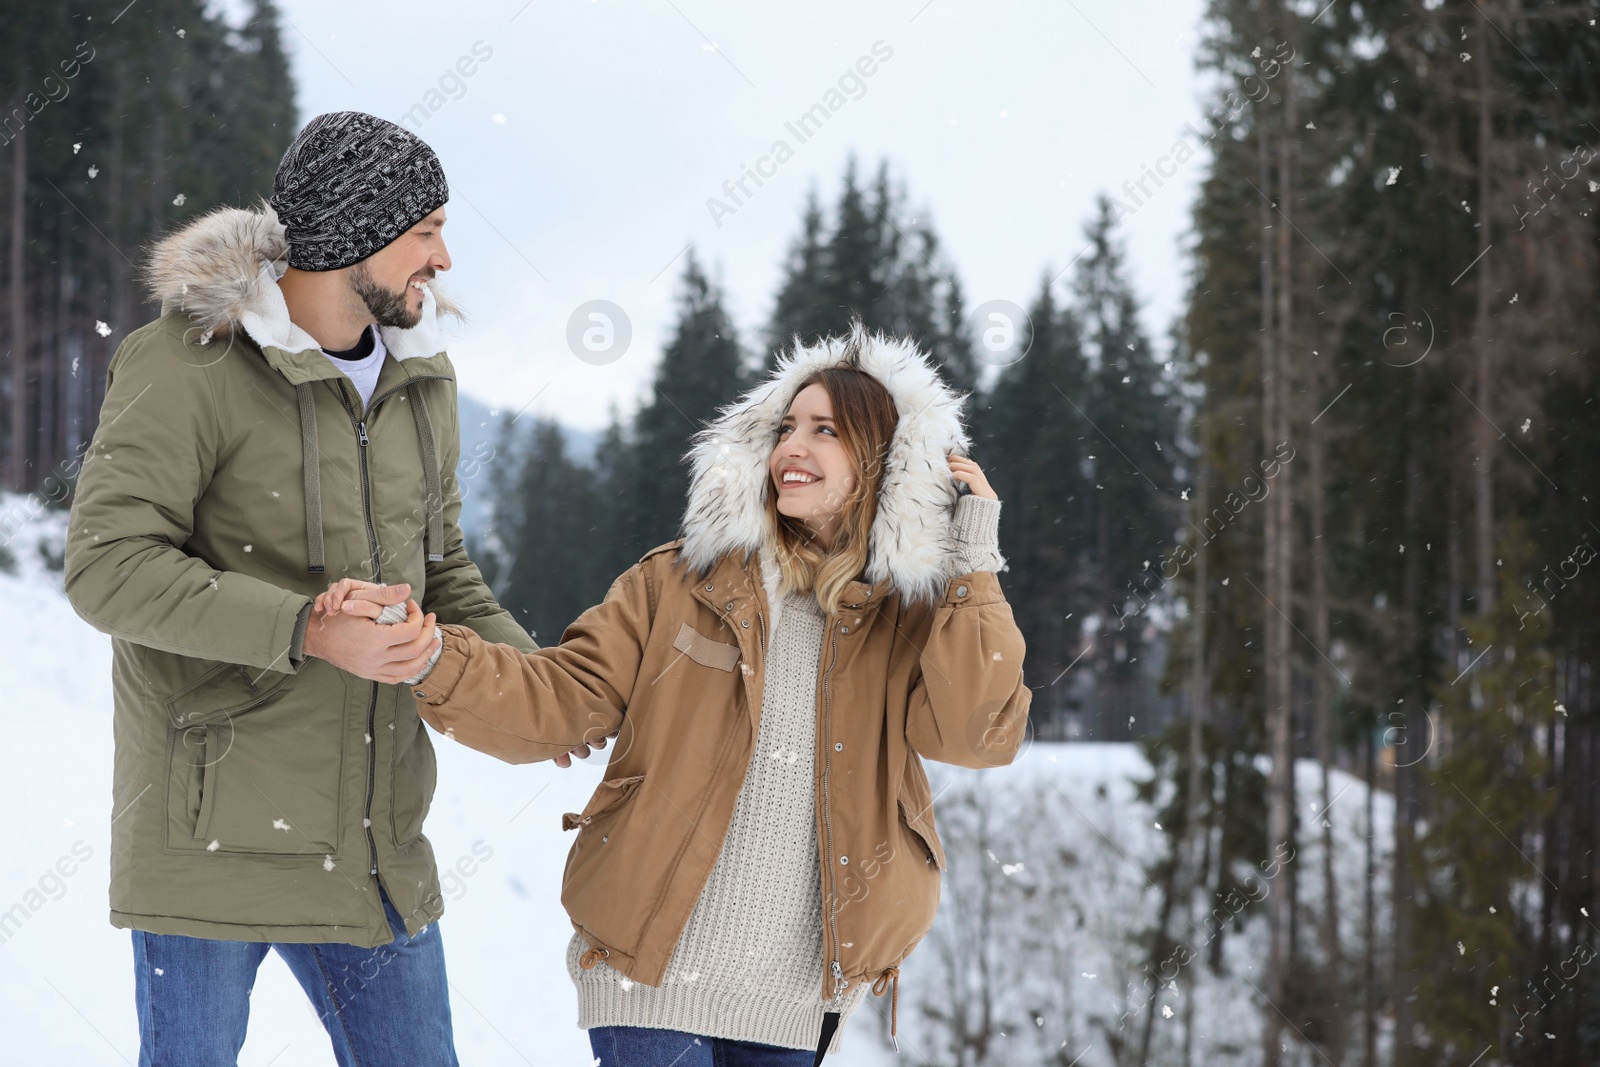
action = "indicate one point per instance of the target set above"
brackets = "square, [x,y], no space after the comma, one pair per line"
[965,470]
[352,596]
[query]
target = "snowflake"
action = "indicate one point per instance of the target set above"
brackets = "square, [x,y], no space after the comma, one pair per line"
[279,824]
[101,328]
[178,200]
[94,172]
[327,863]
[1394,176]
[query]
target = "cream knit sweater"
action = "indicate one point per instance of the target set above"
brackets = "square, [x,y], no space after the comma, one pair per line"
[749,963]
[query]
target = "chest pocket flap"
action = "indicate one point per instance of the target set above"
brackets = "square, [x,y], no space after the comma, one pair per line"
[704,651]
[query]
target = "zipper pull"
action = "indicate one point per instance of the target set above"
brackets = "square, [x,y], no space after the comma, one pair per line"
[838,980]
[361,428]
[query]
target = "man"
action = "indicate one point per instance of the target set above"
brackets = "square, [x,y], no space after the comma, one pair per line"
[277,428]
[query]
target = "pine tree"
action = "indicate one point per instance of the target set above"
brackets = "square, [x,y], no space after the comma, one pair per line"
[1132,444]
[701,370]
[1031,444]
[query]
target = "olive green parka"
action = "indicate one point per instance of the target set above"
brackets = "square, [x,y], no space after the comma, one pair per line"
[260,795]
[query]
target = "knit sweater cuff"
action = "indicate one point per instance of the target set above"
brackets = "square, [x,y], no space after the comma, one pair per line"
[977,532]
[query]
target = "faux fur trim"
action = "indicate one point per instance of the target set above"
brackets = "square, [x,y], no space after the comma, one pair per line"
[222,271]
[913,539]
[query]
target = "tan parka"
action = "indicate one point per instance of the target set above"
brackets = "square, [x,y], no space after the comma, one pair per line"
[919,662]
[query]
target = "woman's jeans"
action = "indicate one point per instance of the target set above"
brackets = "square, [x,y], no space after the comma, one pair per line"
[385,1006]
[642,1046]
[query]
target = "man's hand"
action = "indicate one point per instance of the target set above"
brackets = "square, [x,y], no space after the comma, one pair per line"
[353,598]
[382,653]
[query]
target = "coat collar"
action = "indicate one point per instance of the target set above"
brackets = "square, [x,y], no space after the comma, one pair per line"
[912,548]
[222,271]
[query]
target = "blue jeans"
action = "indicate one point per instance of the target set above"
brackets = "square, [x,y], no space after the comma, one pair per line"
[382,1007]
[644,1046]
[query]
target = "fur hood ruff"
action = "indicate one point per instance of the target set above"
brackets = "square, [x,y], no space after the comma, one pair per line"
[912,543]
[222,271]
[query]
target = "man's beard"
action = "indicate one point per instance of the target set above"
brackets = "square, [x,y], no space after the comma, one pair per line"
[388,308]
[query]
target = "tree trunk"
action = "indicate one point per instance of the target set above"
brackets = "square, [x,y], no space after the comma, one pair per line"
[1483,436]
[1322,700]
[1279,594]
[17,302]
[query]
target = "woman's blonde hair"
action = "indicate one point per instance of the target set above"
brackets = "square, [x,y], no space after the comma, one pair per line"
[864,417]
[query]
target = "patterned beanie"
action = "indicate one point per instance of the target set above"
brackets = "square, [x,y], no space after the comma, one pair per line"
[351,183]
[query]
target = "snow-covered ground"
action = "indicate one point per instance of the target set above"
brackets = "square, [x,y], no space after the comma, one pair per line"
[66,978]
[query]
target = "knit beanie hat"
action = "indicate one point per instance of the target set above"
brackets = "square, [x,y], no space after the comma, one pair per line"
[351,183]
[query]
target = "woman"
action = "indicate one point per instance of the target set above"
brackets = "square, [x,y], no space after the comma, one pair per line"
[762,847]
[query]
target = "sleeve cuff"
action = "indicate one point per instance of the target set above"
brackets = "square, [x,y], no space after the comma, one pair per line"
[297,641]
[438,635]
[440,680]
[977,533]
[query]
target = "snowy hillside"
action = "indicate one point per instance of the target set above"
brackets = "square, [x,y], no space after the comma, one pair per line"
[66,975]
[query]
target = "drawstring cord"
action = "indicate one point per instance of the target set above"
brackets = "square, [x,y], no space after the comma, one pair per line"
[588,960]
[433,505]
[312,472]
[891,975]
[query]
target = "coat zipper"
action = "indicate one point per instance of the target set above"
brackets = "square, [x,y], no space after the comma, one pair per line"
[363,442]
[839,982]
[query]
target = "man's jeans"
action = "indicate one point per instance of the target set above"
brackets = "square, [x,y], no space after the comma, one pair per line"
[643,1046]
[382,1007]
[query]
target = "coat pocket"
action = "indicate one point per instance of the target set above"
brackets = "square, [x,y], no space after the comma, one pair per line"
[257,768]
[704,651]
[607,795]
[920,823]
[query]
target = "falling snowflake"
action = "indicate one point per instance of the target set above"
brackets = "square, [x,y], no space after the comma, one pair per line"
[1166,1011]
[249,548]
[1525,424]
[94,172]
[1311,125]
[183,33]
[1594,186]
[213,846]
[1184,495]
[1461,950]
[178,200]
[101,328]
[1394,176]
[279,824]
[1465,56]
[1466,207]
[79,145]
[1009,869]
[1514,297]
[1086,974]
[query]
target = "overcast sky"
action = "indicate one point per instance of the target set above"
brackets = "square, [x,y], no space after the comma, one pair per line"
[585,142]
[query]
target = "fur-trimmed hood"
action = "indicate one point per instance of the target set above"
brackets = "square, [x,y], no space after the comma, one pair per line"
[912,541]
[222,270]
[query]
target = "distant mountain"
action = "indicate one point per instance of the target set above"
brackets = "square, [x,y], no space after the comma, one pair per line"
[480,433]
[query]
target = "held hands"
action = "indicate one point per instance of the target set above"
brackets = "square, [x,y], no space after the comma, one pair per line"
[351,606]
[351,640]
[965,470]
